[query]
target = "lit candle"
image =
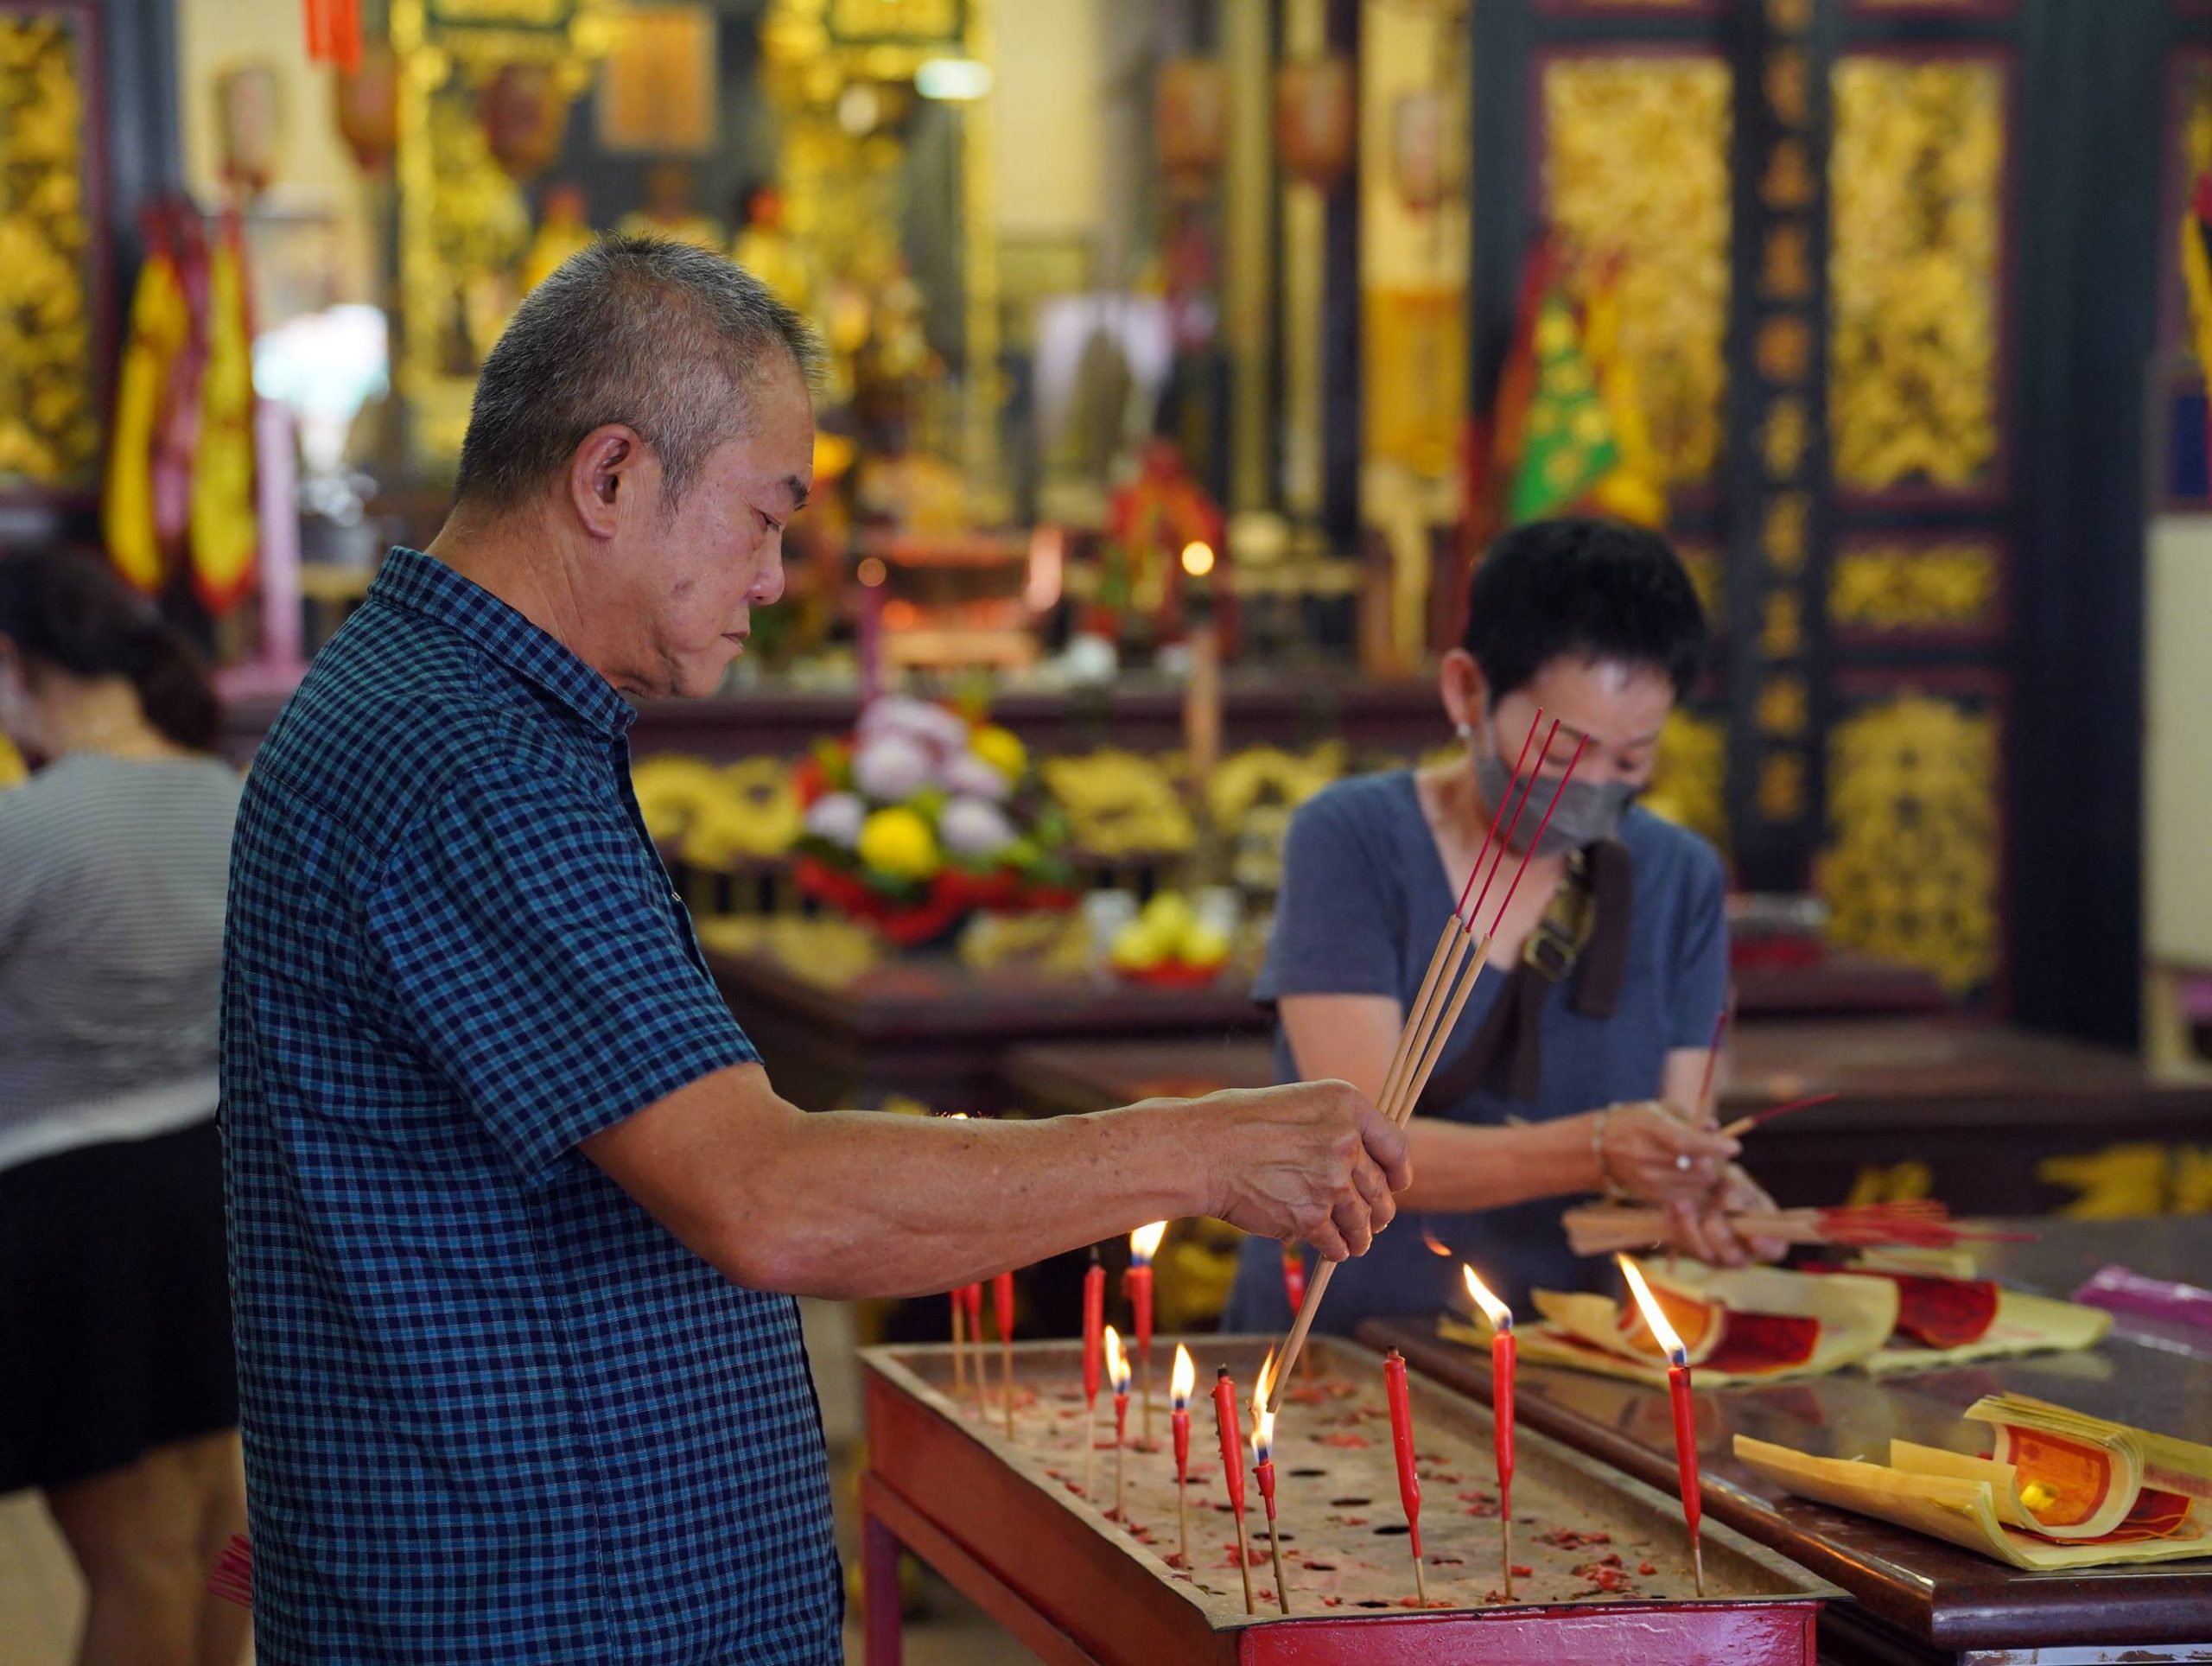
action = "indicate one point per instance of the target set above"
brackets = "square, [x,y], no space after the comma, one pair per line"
[1180,1383]
[1402,1441]
[1232,1470]
[1093,1340]
[1117,1372]
[1003,1303]
[1678,1389]
[1263,1467]
[1144,1245]
[1501,1405]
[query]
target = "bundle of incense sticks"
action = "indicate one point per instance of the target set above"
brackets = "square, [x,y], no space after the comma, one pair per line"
[1605,1229]
[1453,969]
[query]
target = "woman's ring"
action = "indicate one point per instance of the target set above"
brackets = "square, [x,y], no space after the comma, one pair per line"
[1682,1162]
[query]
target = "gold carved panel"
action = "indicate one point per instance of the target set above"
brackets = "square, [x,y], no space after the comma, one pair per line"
[1636,162]
[1912,871]
[50,400]
[1916,180]
[1891,585]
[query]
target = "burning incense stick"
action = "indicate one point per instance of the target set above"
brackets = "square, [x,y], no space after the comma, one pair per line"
[1427,1048]
[1605,1229]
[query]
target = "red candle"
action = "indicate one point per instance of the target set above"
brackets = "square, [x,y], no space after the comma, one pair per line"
[1685,1409]
[1144,1243]
[1179,1420]
[1002,1305]
[1117,1368]
[971,1298]
[1401,1442]
[1501,1361]
[1232,1470]
[1094,1323]
[1263,1467]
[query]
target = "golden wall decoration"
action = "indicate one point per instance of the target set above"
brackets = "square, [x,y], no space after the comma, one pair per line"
[1635,160]
[1890,585]
[49,402]
[1689,777]
[1911,869]
[1916,180]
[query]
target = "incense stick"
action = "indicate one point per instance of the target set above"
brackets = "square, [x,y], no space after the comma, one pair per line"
[1428,1048]
[1744,1124]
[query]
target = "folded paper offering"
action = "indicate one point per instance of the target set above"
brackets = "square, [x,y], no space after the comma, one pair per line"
[2060,1489]
[1947,1317]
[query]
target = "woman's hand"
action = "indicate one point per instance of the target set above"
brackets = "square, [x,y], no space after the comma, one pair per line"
[1652,1155]
[1707,1229]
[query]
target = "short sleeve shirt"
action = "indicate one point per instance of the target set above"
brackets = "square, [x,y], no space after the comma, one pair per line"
[493,1410]
[1363,896]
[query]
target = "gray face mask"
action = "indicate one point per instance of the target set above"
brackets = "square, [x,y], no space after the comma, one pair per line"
[1587,814]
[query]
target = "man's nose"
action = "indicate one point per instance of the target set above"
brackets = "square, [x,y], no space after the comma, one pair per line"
[768,589]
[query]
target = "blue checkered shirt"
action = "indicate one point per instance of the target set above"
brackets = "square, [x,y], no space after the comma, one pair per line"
[493,1411]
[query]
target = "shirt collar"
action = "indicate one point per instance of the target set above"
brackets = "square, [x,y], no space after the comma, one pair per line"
[423,584]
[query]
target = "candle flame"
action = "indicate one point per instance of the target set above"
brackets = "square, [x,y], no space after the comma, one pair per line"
[1184,1378]
[1500,1315]
[1263,1419]
[1436,1246]
[1655,1317]
[1117,1363]
[1144,1243]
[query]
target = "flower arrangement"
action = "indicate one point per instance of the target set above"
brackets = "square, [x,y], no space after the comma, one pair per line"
[923,816]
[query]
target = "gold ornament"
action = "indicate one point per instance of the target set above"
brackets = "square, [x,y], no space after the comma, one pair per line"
[1635,162]
[1911,869]
[1885,586]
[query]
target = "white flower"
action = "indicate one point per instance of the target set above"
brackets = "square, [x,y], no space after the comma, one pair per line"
[974,827]
[890,769]
[970,775]
[917,720]
[836,817]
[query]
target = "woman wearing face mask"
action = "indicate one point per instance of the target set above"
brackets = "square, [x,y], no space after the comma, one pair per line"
[1575,1067]
[118,1395]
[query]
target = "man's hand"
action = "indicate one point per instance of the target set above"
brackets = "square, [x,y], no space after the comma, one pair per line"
[1652,1155]
[1313,1162]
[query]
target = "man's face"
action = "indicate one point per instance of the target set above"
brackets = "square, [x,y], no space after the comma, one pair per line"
[705,567]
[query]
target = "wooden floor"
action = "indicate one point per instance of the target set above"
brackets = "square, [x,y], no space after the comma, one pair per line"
[41,1596]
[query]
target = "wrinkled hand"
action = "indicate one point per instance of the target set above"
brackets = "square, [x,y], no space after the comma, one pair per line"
[1704,1231]
[1313,1162]
[1643,1152]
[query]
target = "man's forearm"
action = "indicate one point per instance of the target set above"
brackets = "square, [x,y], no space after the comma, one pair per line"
[860,1204]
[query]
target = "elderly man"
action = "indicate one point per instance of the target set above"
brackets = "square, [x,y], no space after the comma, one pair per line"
[516,1216]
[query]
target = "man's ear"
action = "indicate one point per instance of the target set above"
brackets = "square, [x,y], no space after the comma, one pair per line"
[606,478]
[1459,683]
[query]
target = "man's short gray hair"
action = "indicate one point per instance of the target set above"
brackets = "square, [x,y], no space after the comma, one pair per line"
[668,338]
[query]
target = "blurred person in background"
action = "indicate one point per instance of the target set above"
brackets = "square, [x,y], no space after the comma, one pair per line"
[118,1392]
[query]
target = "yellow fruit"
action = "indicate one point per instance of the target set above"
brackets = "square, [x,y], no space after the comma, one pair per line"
[1138,949]
[1170,916]
[1205,946]
[900,843]
[1001,749]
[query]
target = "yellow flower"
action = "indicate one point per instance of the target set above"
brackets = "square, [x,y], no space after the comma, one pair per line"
[1001,749]
[899,843]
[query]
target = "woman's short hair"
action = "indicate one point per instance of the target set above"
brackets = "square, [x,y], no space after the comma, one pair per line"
[1592,590]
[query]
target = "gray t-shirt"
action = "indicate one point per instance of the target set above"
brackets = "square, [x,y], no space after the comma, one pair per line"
[112,875]
[1364,894]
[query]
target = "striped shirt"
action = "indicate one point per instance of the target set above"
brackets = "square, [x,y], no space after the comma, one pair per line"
[113,874]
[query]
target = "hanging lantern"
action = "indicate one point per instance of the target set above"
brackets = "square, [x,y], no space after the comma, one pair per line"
[1315,111]
[524,111]
[1191,115]
[364,104]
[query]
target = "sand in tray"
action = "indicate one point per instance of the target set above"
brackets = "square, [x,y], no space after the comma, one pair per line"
[1344,1531]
